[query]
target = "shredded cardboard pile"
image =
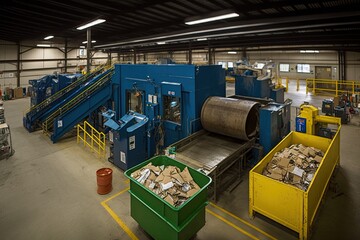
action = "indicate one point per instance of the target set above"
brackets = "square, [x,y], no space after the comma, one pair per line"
[295,165]
[171,184]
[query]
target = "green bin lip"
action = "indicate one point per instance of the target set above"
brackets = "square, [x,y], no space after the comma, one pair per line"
[133,169]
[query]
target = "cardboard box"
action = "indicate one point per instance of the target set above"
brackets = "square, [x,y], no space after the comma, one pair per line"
[18,93]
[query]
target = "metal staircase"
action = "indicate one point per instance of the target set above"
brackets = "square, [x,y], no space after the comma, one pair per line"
[32,119]
[66,116]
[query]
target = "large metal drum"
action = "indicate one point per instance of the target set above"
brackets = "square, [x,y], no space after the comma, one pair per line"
[231,117]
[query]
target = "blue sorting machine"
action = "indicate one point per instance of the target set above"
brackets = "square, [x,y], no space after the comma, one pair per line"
[274,124]
[48,85]
[248,84]
[129,138]
[170,96]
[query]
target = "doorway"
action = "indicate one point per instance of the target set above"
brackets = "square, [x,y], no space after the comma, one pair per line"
[323,72]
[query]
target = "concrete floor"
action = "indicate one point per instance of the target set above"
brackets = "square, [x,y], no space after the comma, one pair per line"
[48,191]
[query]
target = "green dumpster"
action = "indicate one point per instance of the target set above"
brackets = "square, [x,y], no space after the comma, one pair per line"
[159,218]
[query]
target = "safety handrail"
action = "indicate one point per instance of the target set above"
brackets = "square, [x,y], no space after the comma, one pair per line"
[48,123]
[67,89]
[93,138]
[337,86]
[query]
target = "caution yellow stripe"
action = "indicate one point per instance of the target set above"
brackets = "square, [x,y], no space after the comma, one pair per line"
[232,225]
[242,220]
[116,217]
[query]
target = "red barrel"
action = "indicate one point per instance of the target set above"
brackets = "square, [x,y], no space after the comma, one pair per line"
[104,180]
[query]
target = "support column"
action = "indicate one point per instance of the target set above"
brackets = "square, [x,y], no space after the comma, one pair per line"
[243,54]
[190,53]
[209,53]
[344,65]
[88,52]
[134,56]
[118,56]
[65,55]
[213,56]
[18,66]
[341,62]
[109,58]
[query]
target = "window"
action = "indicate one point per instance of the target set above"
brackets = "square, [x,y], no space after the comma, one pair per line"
[134,99]
[259,65]
[172,109]
[223,64]
[230,64]
[303,68]
[284,67]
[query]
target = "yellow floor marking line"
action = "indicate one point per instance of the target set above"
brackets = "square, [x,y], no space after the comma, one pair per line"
[242,220]
[127,181]
[116,217]
[117,194]
[232,225]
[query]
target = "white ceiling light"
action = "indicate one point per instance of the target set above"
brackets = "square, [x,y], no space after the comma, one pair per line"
[90,24]
[232,52]
[82,46]
[309,51]
[43,45]
[210,19]
[201,39]
[161,43]
[93,41]
[48,37]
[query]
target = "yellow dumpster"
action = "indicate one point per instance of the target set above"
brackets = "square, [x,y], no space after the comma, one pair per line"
[287,204]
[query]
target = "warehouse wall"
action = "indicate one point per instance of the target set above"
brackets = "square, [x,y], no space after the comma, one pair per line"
[47,60]
[353,66]
[323,58]
[38,62]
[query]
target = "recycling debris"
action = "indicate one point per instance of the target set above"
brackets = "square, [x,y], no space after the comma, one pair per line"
[171,184]
[295,165]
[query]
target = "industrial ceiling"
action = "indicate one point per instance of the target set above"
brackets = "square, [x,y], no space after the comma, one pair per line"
[141,24]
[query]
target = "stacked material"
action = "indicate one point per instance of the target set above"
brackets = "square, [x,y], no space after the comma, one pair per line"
[171,184]
[2,113]
[295,165]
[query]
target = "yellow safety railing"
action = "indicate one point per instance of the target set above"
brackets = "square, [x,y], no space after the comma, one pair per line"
[332,87]
[279,83]
[92,138]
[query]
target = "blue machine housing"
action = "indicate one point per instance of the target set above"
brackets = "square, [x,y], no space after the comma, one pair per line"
[48,85]
[171,96]
[247,84]
[274,124]
[41,89]
[130,138]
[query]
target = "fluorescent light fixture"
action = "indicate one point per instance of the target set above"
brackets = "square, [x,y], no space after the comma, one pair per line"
[210,19]
[82,46]
[43,45]
[309,51]
[90,24]
[48,37]
[232,52]
[85,42]
[161,43]
[201,39]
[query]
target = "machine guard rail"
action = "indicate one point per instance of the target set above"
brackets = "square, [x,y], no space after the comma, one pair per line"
[67,89]
[335,87]
[48,123]
[280,81]
[92,138]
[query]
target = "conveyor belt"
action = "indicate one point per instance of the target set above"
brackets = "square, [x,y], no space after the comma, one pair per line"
[209,150]
[214,154]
